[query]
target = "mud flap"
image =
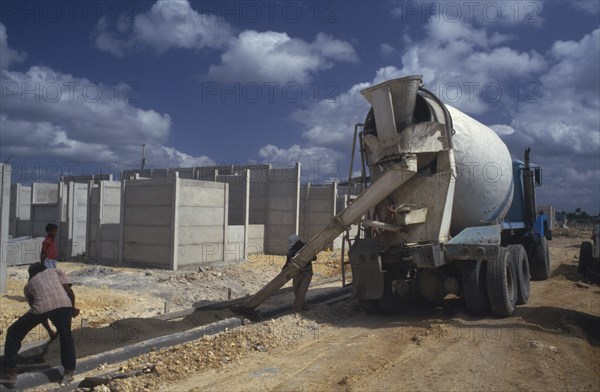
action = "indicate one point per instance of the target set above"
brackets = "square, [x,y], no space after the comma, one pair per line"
[367,277]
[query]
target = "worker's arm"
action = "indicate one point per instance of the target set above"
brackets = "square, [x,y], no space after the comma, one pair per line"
[71,295]
[28,295]
[42,255]
[53,334]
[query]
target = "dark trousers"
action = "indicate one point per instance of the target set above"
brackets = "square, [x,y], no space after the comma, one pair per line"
[61,318]
[301,283]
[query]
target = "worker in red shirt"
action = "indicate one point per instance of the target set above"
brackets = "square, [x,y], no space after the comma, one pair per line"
[50,296]
[49,257]
[49,253]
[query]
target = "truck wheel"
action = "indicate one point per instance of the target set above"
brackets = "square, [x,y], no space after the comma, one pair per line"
[522,270]
[501,281]
[586,257]
[474,289]
[540,263]
[390,303]
[369,306]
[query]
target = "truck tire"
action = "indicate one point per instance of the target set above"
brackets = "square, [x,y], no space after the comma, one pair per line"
[522,269]
[390,303]
[501,282]
[586,257]
[540,263]
[369,306]
[474,288]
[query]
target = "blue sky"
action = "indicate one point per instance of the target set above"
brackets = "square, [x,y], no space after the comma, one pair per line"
[84,84]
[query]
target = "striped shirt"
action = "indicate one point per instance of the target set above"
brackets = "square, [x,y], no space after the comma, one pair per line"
[49,248]
[47,291]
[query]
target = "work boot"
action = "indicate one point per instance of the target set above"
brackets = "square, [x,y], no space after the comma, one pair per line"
[68,377]
[8,377]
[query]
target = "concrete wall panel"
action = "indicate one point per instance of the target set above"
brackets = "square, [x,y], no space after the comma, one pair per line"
[199,235]
[201,216]
[5,174]
[104,221]
[147,195]
[147,235]
[147,215]
[198,254]
[44,193]
[317,208]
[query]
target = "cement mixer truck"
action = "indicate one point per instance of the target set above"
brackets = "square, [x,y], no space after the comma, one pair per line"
[443,211]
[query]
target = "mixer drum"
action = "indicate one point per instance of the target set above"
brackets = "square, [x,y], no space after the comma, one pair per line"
[484,185]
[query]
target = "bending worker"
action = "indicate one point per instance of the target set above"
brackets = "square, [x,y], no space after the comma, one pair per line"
[301,280]
[50,296]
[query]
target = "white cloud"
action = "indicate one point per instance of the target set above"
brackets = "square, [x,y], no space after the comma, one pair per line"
[47,114]
[8,56]
[295,153]
[566,117]
[471,60]
[319,164]
[249,56]
[168,24]
[276,57]
[563,124]
[330,123]
[473,66]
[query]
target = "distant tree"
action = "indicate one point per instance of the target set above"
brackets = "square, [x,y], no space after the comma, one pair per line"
[577,211]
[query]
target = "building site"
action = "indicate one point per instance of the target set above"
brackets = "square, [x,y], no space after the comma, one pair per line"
[433,228]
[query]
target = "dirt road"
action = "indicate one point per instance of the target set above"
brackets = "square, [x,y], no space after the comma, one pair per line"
[552,343]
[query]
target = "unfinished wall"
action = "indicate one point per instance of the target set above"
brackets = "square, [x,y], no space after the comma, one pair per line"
[147,211]
[201,222]
[258,174]
[20,211]
[236,243]
[4,213]
[317,208]
[283,209]
[272,199]
[74,239]
[104,217]
[238,216]
[172,222]
[256,240]
[23,250]
[239,189]
[45,207]
[84,179]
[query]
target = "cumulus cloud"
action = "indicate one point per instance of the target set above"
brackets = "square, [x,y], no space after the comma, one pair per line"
[8,56]
[47,114]
[566,118]
[276,57]
[472,60]
[250,56]
[474,64]
[168,24]
[318,163]
[563,124]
